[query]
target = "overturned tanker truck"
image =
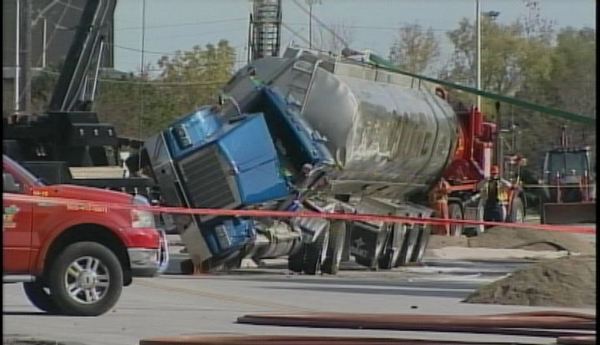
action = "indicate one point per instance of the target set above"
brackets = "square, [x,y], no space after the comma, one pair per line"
[308,131]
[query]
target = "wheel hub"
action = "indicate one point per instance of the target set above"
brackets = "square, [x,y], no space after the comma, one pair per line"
[87,279]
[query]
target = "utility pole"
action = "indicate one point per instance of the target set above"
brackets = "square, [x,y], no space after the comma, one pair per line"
[27,57]
[310,4]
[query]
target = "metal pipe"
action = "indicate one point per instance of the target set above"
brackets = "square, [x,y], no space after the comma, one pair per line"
[478,50]
[95,84]
[17,51]
[44,42]
[27,57]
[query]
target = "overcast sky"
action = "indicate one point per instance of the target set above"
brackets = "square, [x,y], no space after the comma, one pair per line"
[180,24]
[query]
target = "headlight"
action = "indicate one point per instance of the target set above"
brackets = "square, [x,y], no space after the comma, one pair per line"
[141,218]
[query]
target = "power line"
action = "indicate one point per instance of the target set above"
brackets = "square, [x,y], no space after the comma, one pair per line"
[183,24]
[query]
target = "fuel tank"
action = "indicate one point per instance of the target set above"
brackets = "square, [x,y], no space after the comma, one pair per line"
[391,135]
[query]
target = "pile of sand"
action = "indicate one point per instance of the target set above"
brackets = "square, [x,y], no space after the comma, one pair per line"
[526,239]
[565,282]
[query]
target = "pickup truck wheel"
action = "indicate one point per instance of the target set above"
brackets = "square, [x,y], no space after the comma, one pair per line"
[39,296]
[86,279]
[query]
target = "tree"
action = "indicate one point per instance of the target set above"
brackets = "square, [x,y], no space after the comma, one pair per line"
[139,105]
[414,49]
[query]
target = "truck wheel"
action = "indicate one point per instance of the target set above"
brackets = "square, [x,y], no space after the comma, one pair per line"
[314,254]
[337,239]
[408,245]
[455,212]
[86,279]
[295,260]
[517,212]
[421,245]
[39,296]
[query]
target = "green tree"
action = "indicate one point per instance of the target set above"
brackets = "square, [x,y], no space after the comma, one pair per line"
[140,105]
[414,48]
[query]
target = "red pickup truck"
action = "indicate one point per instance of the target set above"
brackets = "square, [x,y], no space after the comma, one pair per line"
[75,258]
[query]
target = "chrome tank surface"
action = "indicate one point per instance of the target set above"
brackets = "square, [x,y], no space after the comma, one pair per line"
[390,134]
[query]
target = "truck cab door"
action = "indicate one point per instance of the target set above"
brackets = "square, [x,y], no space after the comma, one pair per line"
[16,227]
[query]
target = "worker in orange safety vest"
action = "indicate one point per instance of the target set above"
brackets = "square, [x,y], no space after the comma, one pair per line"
[494,196]
[438,199]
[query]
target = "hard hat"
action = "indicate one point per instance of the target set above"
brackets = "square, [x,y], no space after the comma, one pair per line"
[494,170]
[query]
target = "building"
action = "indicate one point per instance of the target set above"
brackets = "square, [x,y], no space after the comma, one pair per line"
[52,30]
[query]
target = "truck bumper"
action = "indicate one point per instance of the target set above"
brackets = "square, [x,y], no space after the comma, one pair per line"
[146,262]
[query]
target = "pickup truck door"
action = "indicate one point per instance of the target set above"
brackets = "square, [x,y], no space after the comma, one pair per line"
[16,227]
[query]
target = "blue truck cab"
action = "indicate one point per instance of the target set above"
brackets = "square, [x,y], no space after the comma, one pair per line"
[207,159]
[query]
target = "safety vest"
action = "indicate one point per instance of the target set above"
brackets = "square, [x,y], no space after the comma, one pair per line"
[496,191]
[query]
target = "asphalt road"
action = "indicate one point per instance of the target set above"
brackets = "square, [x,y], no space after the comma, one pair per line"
[209,304]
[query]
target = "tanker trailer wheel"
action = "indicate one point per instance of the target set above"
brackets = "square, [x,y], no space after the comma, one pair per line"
[39,295]
[389,258]
[517,212]
[86,279]
[335,248]
[296,260]
[314,253]
[424,233]
[408,245]
[455,211]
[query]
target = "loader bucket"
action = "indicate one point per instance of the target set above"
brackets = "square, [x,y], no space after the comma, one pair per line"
[569,213]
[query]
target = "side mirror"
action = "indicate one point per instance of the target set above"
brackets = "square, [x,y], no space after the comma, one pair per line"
[10,185]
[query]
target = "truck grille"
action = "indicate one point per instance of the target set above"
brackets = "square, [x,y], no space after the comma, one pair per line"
[207,180]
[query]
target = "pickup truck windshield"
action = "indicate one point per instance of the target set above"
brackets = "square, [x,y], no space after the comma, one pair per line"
[16,168]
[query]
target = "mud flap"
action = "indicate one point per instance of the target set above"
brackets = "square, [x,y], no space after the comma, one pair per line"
[569,213]
[367,242]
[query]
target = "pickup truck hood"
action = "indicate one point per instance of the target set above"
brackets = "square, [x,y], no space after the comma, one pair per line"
[84,193]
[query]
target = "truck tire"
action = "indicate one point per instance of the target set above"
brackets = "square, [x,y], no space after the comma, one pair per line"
[421,245]
[408,245]
[86,279]
[455,211]
[296,260]
[314,253]
[39,296]
[389,258]
[337,239]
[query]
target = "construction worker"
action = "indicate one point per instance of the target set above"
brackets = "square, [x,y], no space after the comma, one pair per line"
[438,199]
[494,196]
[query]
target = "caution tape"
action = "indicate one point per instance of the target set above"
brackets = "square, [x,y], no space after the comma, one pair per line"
[364,217]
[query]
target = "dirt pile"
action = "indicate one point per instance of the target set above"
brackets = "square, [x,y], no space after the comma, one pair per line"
[565,282]
[528,239]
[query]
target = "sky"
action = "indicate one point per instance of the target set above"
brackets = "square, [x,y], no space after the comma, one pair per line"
[173,25]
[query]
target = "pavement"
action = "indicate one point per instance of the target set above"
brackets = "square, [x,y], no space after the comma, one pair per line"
[210,304]
[175,304]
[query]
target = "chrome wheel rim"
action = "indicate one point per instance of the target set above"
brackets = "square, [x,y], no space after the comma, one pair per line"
[87,280]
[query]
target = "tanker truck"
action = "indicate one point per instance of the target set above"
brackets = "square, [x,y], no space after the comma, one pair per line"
[309,131]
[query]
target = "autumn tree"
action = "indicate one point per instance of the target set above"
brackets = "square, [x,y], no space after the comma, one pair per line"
[414,48]
[140,105]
